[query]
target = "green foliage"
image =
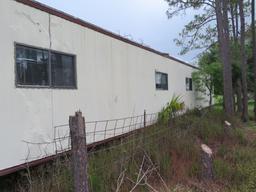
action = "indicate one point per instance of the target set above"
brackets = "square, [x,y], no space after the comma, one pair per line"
[199,33]
[195,170]
[240,137]
[52,177]
[222,151]
[171,109]
[237,167]
[222,170]
[207,130]
[249,177]
[96,182]
[243,159]
[218,100]
[243,155]
[206,125]
[209,76]
[165,163]
[208,79]
[175,152]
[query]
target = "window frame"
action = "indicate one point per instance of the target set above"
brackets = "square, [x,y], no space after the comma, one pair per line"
[167,86]
[75,71]
[50,51]
[190,84]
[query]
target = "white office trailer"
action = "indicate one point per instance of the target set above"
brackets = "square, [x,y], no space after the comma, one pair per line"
[53,64]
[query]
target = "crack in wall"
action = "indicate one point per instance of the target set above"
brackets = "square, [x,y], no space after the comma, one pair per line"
[31,20]
[52,105]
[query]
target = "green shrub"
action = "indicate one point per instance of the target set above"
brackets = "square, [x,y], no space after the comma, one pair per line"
[171,109]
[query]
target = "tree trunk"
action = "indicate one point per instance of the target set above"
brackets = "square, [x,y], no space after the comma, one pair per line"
[239,96]
[207,163]
[210,101]
[223,38]
[236,19]
[243,62]
[232,13]
[254,53]
[234,99]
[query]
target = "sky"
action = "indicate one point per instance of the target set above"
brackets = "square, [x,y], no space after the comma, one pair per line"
[144,21]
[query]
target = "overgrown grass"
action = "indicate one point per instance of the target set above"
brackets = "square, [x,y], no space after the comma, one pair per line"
[251,110]
[173,150]
[55,176]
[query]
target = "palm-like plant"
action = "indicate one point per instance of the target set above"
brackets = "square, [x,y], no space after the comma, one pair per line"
[172,109]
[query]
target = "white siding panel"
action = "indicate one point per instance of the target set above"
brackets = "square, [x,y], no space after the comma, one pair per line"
[114,80]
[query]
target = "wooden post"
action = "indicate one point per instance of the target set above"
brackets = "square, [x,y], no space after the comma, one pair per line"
[79,152]
[144,126]
[145,118]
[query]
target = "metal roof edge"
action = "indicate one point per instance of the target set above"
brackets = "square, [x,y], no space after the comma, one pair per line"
[68,17]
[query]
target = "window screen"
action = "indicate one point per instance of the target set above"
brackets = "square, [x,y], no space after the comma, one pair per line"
[161,81]
[189,86]
[34,68]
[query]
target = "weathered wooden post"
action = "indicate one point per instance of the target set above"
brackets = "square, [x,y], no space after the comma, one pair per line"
[79,152]
[144,126]
[145,119]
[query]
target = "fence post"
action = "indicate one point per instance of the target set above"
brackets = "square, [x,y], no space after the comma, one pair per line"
[79,152]
[144,126]
[145,118]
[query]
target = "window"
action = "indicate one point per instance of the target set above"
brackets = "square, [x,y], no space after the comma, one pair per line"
[32,66]
[189,86]
[63,70]
[161,81]
[44,68]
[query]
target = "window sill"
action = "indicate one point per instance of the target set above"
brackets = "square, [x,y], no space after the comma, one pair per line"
[45,87]
[161,89]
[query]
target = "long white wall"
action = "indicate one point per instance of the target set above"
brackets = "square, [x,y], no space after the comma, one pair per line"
[114,79]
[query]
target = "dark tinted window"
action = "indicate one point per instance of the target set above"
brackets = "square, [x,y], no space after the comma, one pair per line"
[63,70]
[189,86]
[32,66]
[161,81]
